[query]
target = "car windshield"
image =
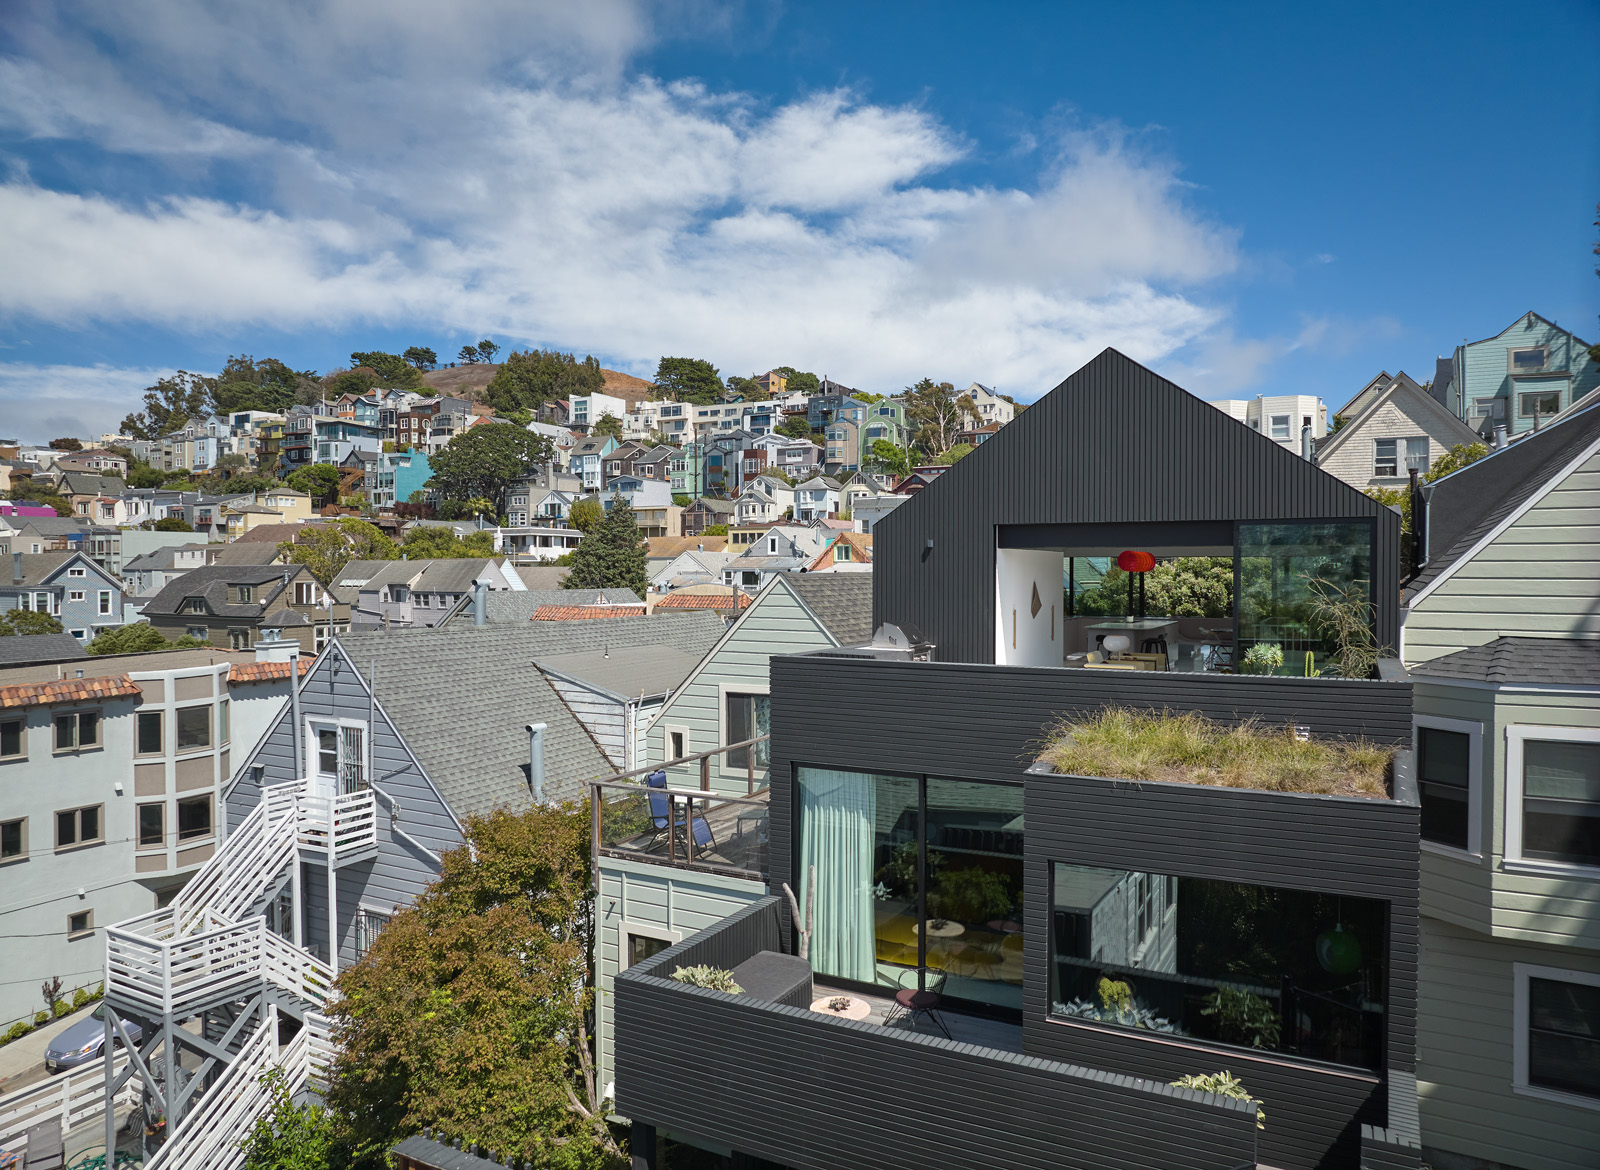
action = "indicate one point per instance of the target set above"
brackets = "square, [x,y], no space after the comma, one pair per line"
[99,1012]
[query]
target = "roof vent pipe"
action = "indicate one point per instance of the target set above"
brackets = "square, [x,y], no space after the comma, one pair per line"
[16,568]
[536,761]
[1305,444]
[1500,437]
[480,603]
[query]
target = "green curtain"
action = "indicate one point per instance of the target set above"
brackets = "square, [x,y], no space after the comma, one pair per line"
[838,815]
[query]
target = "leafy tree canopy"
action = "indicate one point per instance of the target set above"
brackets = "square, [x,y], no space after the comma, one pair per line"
[268,384]
[319,481]
[172,524]
[67,444]
[136,638]
[293,1137]
[935,414]
[391,368]
[421,357]
[357,381]
[748,389]
[795,427]
[611,554]
[429,544]
[326,549]
[957,453]
[609,425]
[486,351]
[169,404]
[468,1013]
[529,378]
[714,530]
[680,500]
[479,463]
[27,621]
[469,355]
[1455,459]
[1179,587]
[142,475]
[688,380]
[25,491]
[799,381]
[891,460]
[586,513]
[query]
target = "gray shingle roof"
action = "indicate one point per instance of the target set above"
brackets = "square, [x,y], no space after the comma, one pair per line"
[841,601]
[502,607]
[31,649]
[1553,661]
[212,583]
[462,696]
[1466,506]
[35,566]
[625,671]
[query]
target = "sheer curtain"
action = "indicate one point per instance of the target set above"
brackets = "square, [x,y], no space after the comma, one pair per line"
[838,816]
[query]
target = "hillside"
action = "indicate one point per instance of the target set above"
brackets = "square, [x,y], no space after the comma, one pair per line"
[469,382]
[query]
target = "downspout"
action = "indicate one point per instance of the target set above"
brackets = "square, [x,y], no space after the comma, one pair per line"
[536,761]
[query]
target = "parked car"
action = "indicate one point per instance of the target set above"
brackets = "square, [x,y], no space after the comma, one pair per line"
[85,1041]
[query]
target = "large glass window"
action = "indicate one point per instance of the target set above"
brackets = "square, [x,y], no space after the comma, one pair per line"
[917,882]
[748,717]
[1561,801]
[1563,1038]
[194,818]
[1281,569]
[149,732]
[1253,966]
[194,727]
[1444,768]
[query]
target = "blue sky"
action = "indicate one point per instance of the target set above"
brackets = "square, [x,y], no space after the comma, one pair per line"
[1250,198]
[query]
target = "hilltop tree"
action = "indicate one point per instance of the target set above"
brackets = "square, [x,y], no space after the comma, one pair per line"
[469,1012]
[688,380]
[326,549]
[611,555]
[469,355]
[169,404]
[480,463]
[486,351]
[527,379]
[421,357]
[390,368]
[268,384]
[748,389]
[936,414]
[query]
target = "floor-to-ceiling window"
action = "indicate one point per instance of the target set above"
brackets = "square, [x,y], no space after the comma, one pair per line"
[918,880]
[1282,568]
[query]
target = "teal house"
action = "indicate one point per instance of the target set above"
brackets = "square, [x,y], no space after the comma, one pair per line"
[1532,369]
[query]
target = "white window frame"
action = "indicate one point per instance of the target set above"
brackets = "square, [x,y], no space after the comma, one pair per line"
[643,930]
[1473,730]
[314,763]
[666,743]
[1516,735]
[1287,421]
[1520,974]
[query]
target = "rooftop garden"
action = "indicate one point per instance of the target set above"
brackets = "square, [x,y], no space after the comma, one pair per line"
[1188,748]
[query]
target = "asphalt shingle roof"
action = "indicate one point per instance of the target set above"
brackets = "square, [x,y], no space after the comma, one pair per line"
[31,649]
[841,601]
[462,696]
[213,582]
[1553,661]
[504,606]
[626,671]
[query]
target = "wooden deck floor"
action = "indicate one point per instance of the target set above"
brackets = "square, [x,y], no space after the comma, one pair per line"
[964,1028]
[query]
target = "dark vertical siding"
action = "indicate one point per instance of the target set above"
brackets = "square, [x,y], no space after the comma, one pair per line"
[1059,464]
[790,1086]
[985,723]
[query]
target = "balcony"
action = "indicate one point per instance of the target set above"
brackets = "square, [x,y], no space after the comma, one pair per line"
[859,1092]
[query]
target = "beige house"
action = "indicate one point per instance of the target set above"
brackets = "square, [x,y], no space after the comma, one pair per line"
[1391,422]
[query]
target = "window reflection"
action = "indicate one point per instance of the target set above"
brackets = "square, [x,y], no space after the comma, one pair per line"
[1278,564]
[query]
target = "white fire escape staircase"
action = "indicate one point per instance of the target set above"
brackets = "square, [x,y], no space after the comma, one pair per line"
[211,959]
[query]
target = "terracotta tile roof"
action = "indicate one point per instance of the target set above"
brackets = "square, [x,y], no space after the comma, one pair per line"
[256,672]
[574,613]
[723,600]
[68,690]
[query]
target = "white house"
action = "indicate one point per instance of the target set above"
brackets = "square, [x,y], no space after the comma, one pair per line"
[1281,417]
[816,498]
[588,409]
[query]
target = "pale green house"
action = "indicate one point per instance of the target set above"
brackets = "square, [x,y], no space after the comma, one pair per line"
[1531,369]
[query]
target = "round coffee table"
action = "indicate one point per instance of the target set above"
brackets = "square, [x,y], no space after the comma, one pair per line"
[857,1009]
[948,930]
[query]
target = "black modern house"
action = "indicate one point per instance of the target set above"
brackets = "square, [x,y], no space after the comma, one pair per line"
[1010,966]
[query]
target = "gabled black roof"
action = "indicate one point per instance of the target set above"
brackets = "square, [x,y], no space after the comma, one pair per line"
[212,583]
[1552,661]
[1467,505]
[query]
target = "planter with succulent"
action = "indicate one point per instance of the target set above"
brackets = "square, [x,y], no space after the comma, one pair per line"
[1223,1084]
[713,978]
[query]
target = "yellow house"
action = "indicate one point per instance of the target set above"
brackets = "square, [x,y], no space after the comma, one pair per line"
[293,506]
[278,506]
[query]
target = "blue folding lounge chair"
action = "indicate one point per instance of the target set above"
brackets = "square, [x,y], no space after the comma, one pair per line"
[703,837]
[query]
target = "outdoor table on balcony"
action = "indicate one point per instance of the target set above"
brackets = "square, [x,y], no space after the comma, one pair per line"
[859,1008]
[947,929]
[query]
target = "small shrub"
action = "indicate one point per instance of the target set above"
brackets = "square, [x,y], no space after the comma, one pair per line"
[63,1008]
[81,998]
[18,1030]
[1244,1018]
[1115,995]
[1262,658]
[40,1019]
[1223,1084]
[714,978]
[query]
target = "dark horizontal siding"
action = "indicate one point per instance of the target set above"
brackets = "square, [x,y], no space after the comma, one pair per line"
[811,1093]
[985,722]
[1062,463]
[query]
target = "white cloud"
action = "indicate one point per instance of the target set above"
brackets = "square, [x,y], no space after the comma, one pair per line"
[498,169]
[48,402]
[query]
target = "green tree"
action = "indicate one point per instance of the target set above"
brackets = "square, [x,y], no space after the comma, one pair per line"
[169,404]
[795,426]
[27,621]
[1176,587]
[67,444]
[679,500]
[391,368]
[268,384]
[142,475]
[934,412]
[609,425]
[430,544]
[486,351]
[320,481]
[468,1013]
[326,549]
[688,380]
[748,389]
[890,459]
[586,514]
[289,1136]
[481,462]
[232,461]
[799,381]
[469,355]
[611,554]
[421,357]
[527,379]
[134,638]
[956,454]
[1459,456]
[172,524]
[357,381]
[714,530]
[42,494]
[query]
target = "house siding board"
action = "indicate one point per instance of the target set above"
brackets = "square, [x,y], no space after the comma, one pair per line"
[1353,459]
[1021,476]
[854,1092]
[985,723]
[601,715]
[1484,367]
[1547,563]
[1465,1032]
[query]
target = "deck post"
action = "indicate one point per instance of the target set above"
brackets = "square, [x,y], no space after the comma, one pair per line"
[333,909]
[111,1096]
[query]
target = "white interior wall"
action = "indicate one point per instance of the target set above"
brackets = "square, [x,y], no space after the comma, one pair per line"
[1022,637]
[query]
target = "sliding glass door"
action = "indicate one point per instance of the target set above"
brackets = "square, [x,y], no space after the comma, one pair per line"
[918,882]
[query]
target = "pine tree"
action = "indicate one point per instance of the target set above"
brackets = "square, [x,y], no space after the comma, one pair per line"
[612,555]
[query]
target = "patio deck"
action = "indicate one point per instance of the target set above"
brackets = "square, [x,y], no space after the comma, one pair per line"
[738,830]
[965,1028]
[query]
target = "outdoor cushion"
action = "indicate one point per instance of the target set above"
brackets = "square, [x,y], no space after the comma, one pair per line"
[776,978]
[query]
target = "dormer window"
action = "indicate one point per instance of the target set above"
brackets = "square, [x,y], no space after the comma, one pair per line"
[194,605]
[242,594]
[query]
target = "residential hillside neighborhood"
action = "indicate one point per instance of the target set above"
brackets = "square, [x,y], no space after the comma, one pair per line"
[894,758]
